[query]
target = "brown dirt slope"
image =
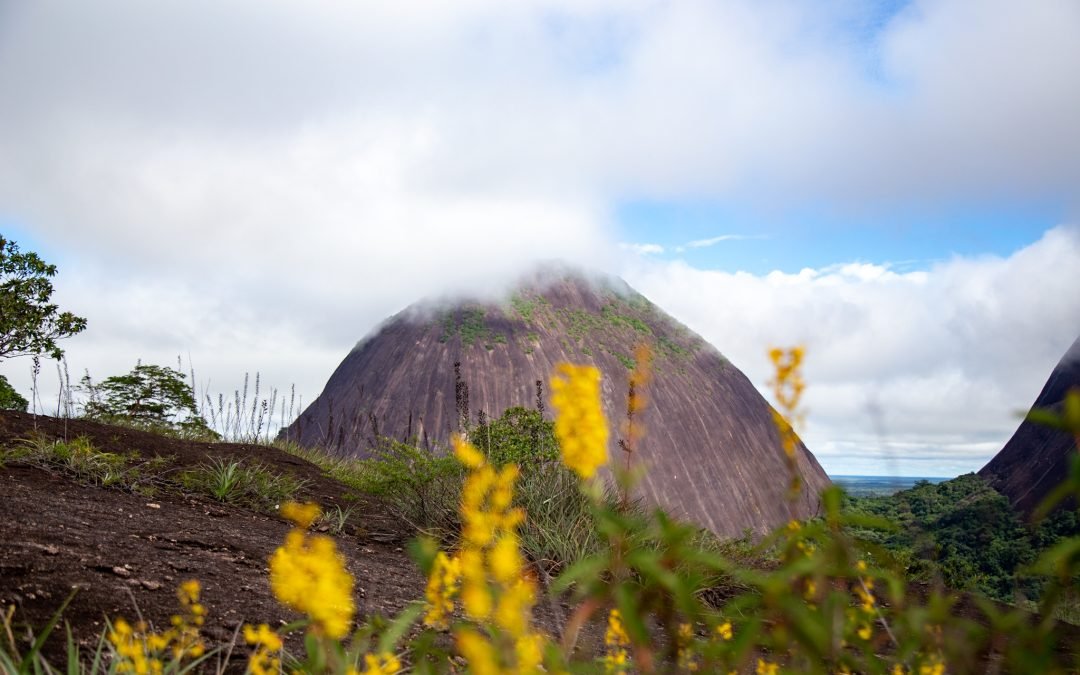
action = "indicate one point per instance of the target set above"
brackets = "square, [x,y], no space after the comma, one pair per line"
[1036,458]
[711,451]
[126,552]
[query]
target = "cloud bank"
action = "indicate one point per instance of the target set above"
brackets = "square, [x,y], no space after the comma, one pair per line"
[259,183]
[915,373]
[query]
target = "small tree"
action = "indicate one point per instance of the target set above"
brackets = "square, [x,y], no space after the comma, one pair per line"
[9,398]
[520,436]
[151,397]
[29,324]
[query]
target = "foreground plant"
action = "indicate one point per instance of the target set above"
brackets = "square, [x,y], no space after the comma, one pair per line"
[141,650]
[827,603]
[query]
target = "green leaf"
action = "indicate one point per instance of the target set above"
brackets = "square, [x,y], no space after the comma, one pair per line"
[44,635]
[1046,418]
[626,598]
[1071,411]
[401,624]
[588,569]
[1062,560]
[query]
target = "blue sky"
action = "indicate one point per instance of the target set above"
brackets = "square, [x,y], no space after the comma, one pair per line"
[731,238]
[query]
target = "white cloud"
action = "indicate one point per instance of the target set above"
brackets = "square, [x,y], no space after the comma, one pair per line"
[642,249]
[923,371]
[713,241]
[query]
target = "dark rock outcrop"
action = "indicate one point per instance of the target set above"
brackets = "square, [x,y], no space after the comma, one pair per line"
[711,450]
[1036,458]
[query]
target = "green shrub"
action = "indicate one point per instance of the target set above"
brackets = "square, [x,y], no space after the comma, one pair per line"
[519,436]
[417,486]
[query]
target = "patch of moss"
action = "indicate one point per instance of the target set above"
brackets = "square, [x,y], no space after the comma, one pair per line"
[526,306]
[578,322]
[612,314]
[449,327]
[627,361]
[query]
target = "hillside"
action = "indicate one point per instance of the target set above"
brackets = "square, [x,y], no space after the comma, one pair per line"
[126,550]
[1036,458]
[711,451]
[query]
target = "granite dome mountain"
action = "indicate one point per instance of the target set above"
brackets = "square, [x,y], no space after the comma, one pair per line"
[711,450]
[1036,458]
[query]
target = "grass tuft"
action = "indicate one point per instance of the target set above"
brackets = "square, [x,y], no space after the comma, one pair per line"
[243,483]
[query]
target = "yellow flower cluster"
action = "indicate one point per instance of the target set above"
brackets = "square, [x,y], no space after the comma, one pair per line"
[266,658]
[142,651]
[488,573]
[766,668]
[935,667]
[863,588]
[788,386]
[308,574]
[636,400]
[616,659]
[725,631]
[580,425]
[687,659]
[381,664]
[442,587]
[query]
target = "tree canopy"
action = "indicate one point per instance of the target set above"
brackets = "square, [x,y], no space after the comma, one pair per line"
[9,398]
[149,396]
[29,323]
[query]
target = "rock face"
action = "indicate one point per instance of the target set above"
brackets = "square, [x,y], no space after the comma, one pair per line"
[711,450]
[1036,458]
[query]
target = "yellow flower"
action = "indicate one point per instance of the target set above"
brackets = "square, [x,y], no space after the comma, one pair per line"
[188,592]
[788,386]
[308,574]
[580,425]
[513,607]
[505,559]
[383,664]
[478,652]
[467,454]
[476,599]
[615,635]
[488,574]
[442,587]
[865,632]
[529,650]
[766,668]
[265,660]
[724,630]
[934,667]
[139,650]
[616,639]
[302,515]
